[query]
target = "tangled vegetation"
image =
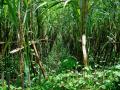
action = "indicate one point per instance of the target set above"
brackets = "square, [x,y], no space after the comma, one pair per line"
[59,44]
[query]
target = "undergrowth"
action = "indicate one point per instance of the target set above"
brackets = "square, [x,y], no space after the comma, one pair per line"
[88,79]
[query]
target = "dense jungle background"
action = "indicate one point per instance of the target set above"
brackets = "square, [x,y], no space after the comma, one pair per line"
[59,44]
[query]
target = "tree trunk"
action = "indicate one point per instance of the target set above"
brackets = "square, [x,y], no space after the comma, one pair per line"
[84,14]
[21,43]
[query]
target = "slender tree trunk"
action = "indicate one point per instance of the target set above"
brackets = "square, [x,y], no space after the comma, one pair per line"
[84,14]
[21,43]
[38,60]
[8,80]
[2,78]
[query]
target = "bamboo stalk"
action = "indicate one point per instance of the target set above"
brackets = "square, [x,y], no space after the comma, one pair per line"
[38,61]
[21,42]
[3,82]
[84,14]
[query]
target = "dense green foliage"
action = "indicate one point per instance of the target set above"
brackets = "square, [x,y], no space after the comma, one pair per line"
[40,45]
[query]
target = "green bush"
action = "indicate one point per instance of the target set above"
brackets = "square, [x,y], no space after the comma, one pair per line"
[87,80]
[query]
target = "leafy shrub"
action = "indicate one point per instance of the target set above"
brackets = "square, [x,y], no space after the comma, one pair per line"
[88,80]
[68,63]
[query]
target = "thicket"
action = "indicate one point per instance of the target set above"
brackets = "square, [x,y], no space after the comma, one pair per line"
[41,44]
